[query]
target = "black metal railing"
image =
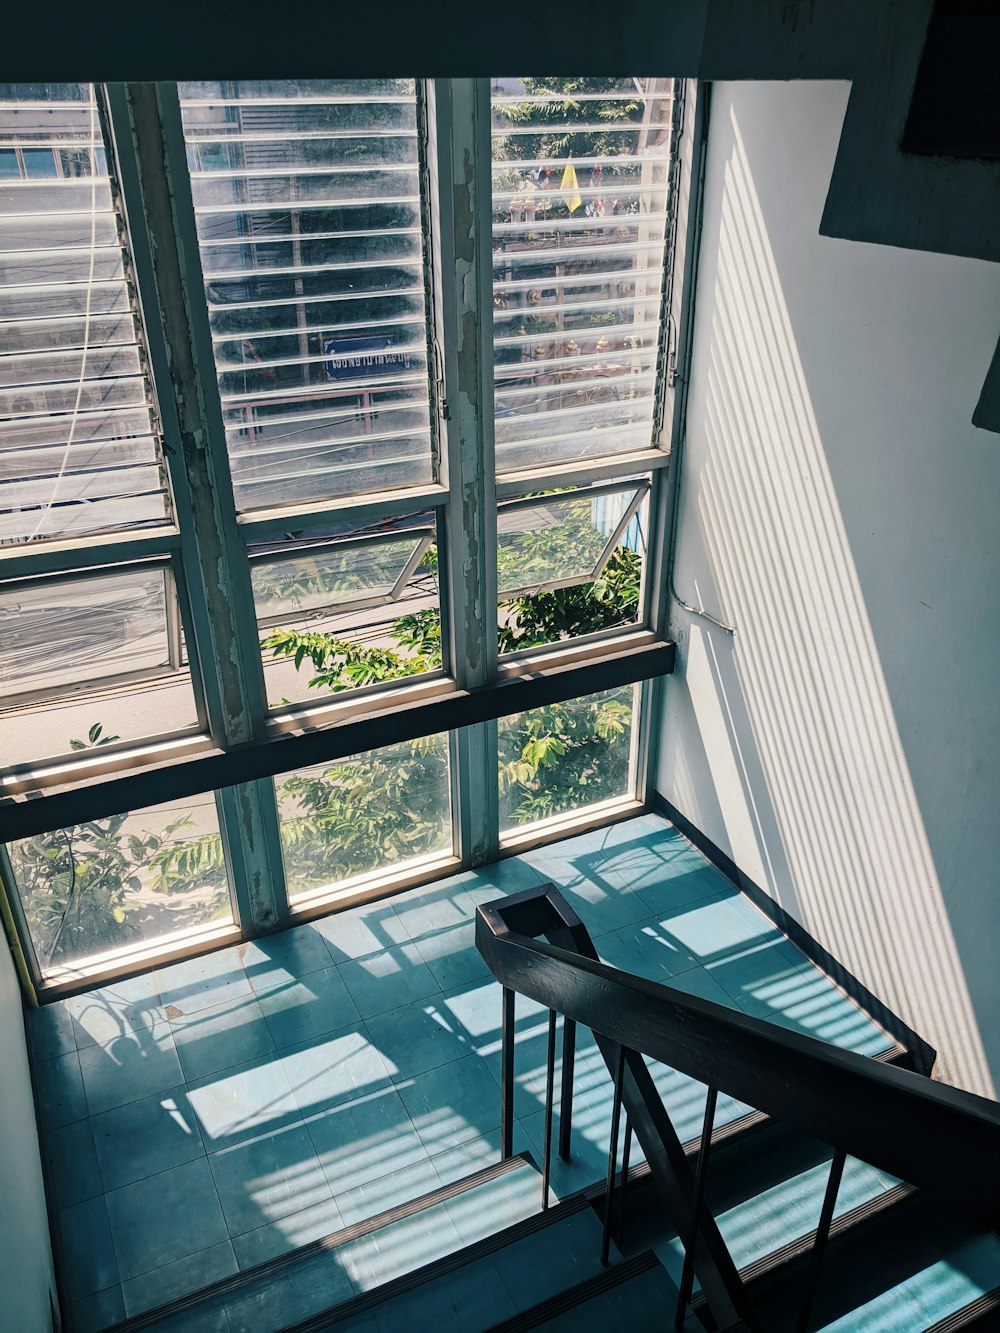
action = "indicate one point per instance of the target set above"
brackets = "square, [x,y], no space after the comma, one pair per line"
[931,1136]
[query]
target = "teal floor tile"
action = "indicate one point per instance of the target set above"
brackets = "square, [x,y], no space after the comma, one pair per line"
[59,1086]
[302,1008]
[267,1177]
[279,958]
[360,931]
[167,1217]
[334,1068]
[201,983]
[129,1068]
[71,1162]
[388,980]
[145,1137]
[93,1314]
[86,1253]
[712,929]
[167,1283]
[363,1139]
[452,1103]
[401,1185]
[646,950]
[51,1031]
[432,908]
[288,1233]
[115,1010]
[603,908]
[227,1034]
[419,1037]
[452,956]
[242,1103]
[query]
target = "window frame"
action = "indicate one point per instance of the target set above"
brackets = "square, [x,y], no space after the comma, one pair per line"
[147,154]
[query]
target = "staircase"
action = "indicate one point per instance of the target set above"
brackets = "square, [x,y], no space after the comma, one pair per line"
[771,1229]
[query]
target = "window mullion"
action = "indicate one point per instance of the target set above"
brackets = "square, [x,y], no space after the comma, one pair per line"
[153,171]
[459,157]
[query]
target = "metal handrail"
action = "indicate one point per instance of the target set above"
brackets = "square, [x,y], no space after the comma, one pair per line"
[934,1137]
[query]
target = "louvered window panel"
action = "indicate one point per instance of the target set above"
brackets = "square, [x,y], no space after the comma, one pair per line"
[79,451]
[308,204]
[581,171]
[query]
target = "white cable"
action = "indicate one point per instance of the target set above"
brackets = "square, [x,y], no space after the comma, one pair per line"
[86,319]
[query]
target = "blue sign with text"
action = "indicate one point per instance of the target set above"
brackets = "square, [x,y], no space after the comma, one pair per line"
[362,358]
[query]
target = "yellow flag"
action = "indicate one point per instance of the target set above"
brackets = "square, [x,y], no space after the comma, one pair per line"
[571,188]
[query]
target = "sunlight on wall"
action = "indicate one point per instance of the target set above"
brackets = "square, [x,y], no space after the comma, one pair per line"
[794,717]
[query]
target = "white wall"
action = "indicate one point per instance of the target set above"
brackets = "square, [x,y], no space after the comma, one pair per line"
[25,1259]
[841,512]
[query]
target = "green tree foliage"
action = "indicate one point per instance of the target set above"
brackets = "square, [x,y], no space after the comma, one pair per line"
[79,886]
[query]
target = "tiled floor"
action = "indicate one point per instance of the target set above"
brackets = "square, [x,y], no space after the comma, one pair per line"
[213,1114]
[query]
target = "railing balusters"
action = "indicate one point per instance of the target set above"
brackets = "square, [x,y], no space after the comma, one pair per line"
[687,1273]
[626,1152]
[609,1193]
[566,1097]
[507,1076]
[550,1082]
[822,1236]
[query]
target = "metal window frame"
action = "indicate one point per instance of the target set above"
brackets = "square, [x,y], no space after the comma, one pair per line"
[425,538]
[640,490]
[473,687]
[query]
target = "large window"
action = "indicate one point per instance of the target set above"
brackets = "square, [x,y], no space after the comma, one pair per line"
[321,403]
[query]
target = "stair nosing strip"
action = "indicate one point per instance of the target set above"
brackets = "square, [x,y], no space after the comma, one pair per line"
[984,1304]
[609,1278]
[333,1240]
[448,1263]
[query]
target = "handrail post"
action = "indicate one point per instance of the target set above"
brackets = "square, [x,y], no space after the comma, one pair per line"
[687,1273]
[566,1098]
[550,1080]
[822,1236]
[507,1076]
[609,1193]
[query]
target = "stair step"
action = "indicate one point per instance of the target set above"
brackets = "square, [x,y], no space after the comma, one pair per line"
[503,1276]
[909,1267]
[635,1294]
[354,1260]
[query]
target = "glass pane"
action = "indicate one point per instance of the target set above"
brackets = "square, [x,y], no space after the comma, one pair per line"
[307,196]
[122,881]
[347,819]
[569,565]
[78,449]
[348,613]
[580,204]
[565,756]
[81,653]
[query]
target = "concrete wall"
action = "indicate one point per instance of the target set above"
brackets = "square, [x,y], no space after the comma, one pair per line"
[839,511]
[26,1277]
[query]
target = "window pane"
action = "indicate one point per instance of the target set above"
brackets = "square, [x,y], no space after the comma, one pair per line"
[569,564]
[307,197]
[78,653]
[565,756]
[580,203]
[122,881]
[344,820]
[349,612]
[78,449]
